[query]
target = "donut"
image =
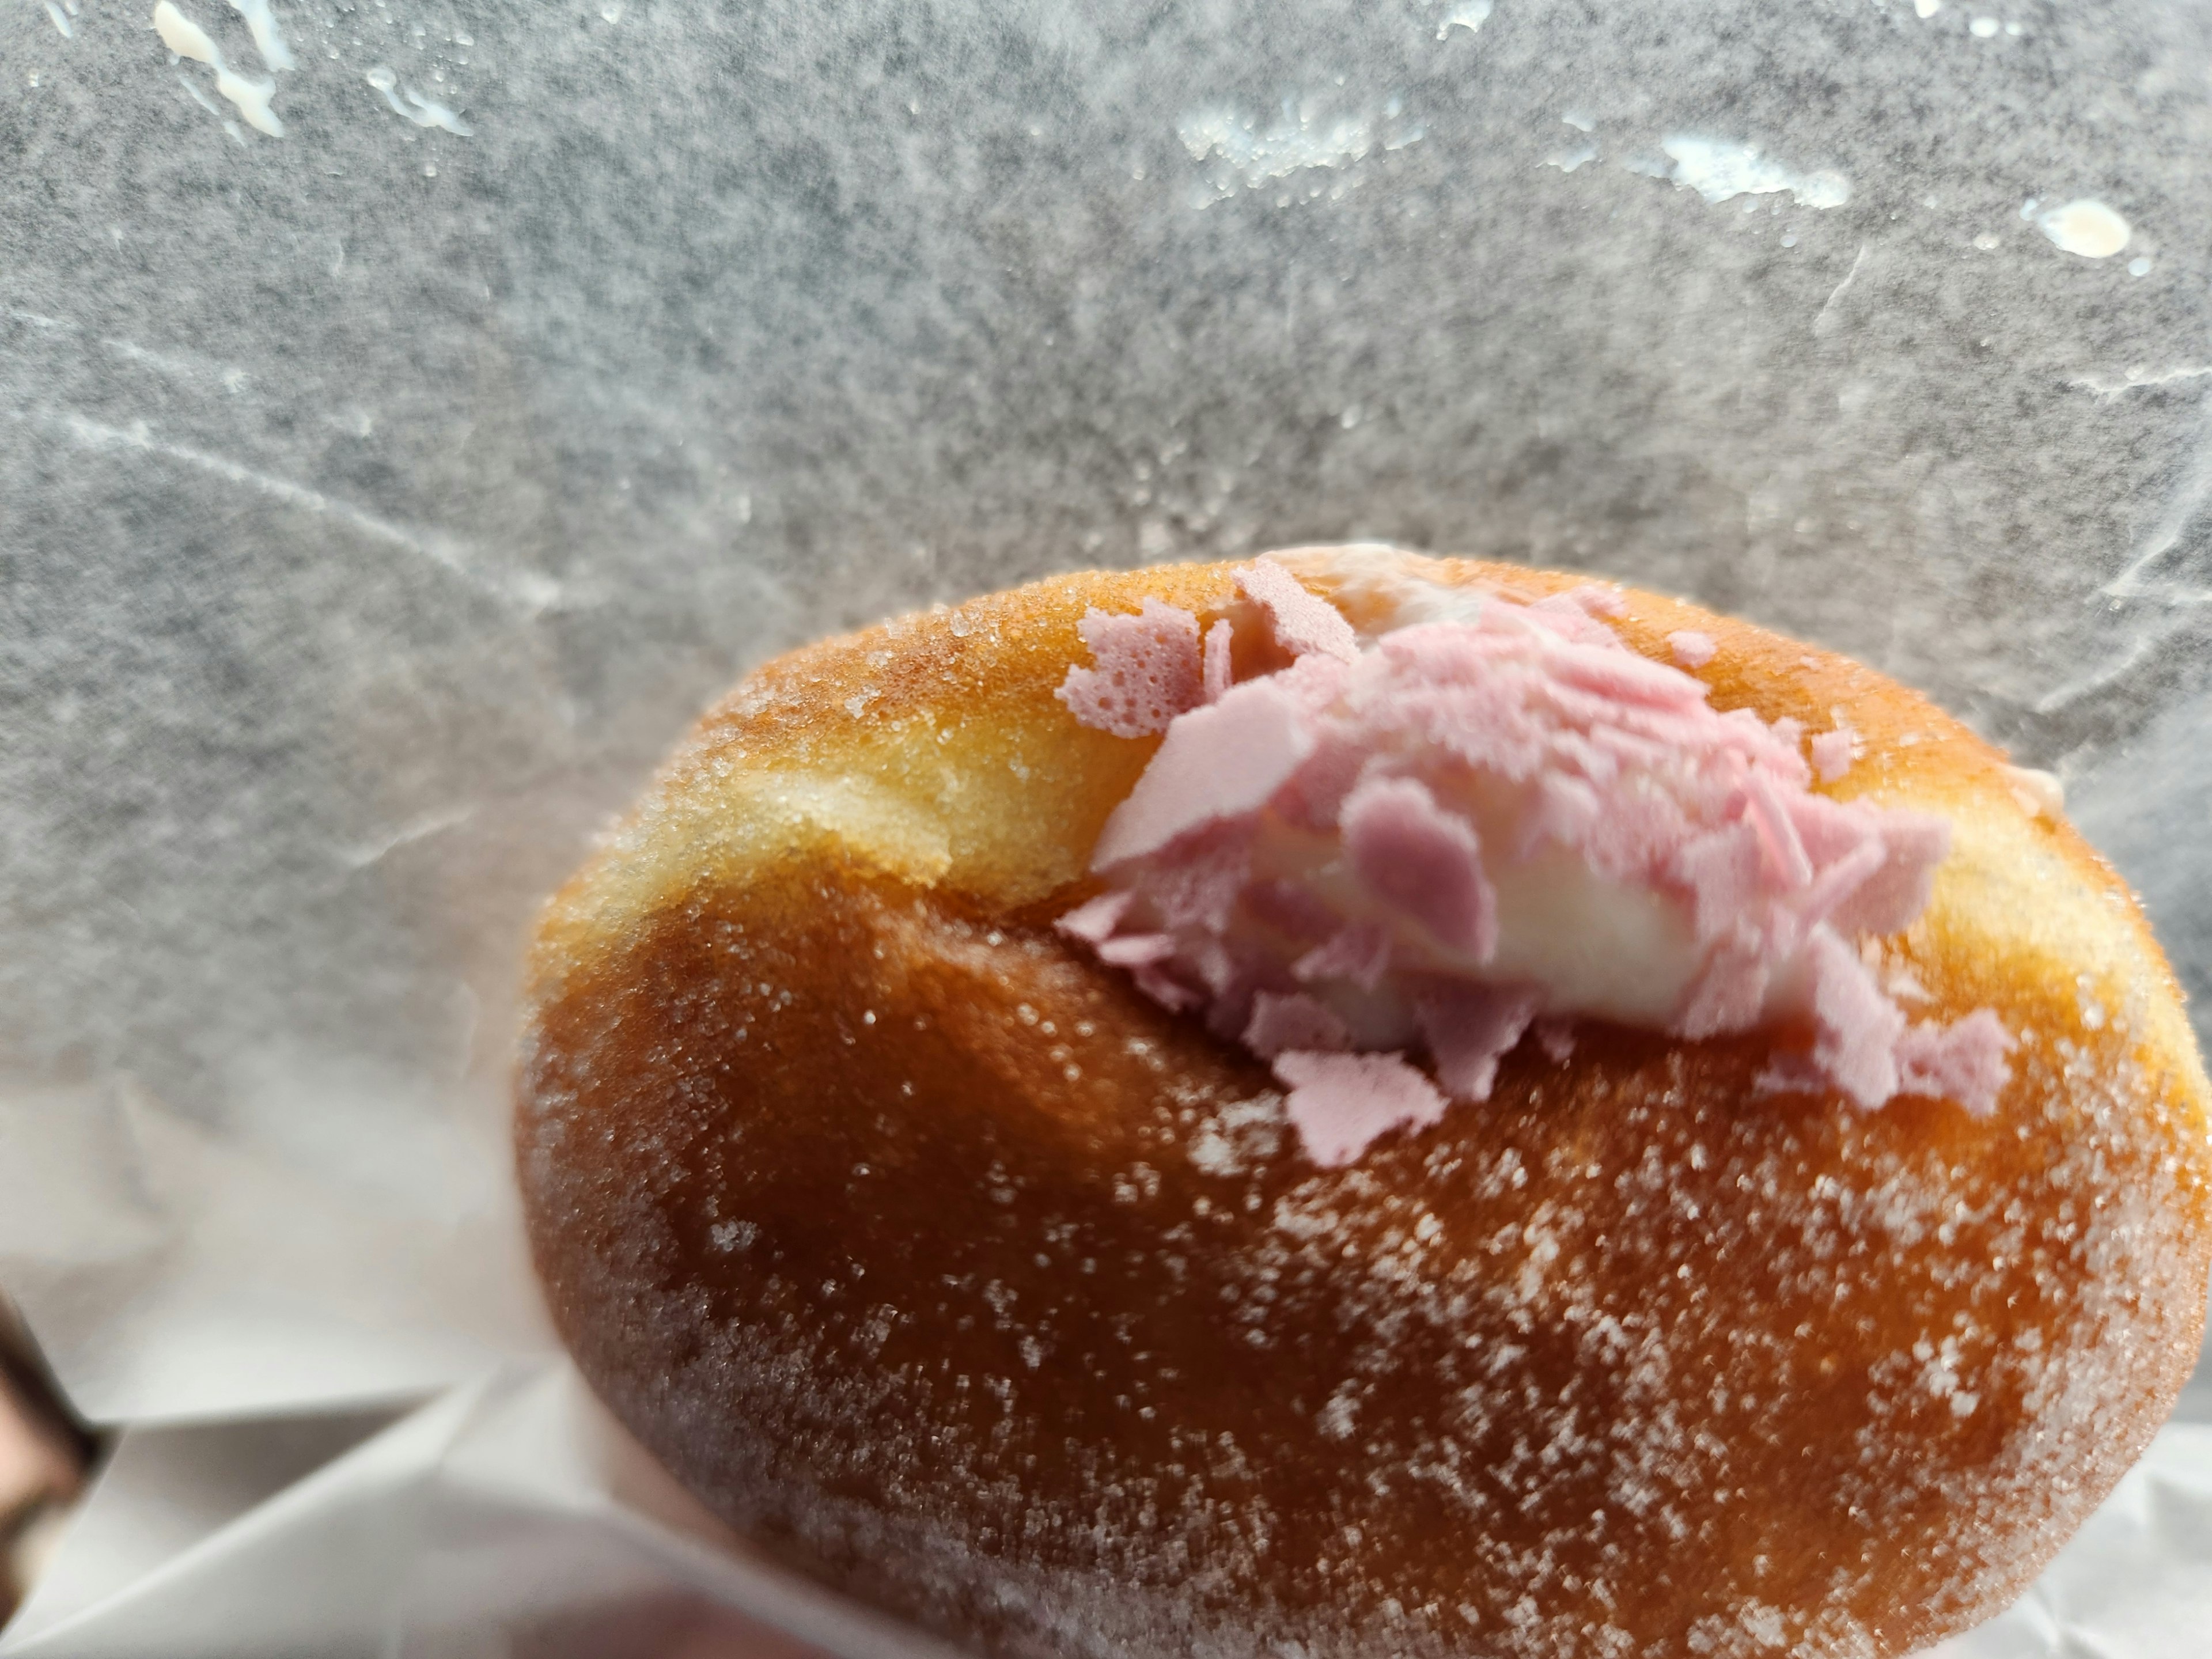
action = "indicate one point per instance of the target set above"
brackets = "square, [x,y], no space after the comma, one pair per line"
[929,1158]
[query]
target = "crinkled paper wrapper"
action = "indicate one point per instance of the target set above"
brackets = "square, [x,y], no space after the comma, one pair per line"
[380,497]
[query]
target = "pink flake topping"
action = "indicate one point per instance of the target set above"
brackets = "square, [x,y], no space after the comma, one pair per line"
[1303,624]
[1470,1027]
[1859,1025]
[1283,1022]
[1692,649]
[1148,671]
[1598,601]
[1963,1062]
[1831,752]
[1217,673]
[1322,859]
[1422,861]
[1222,761]
[1094,922]
[1356,954]
[1340,1103]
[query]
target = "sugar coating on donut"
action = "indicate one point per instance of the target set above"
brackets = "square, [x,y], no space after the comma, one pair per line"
[1476,822]
[1604,1366]
[951,1269]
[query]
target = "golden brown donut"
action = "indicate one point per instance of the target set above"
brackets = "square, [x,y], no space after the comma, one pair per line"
[966,1279]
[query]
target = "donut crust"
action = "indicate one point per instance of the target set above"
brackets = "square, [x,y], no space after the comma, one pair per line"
[948,1269]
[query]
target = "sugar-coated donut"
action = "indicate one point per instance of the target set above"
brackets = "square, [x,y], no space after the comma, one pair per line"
[957,1271]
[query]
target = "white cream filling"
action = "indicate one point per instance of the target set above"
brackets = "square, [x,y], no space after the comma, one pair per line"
[1590,944]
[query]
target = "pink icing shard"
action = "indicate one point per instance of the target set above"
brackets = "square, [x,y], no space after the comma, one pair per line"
[1964,1061]
[1137,949]
[1831,752]
[1731,994]
[1598,601]
[1216,673]
[1692,649]
[1200,886]
[1356,955]
[1786,865]
[1164,989]
[1556,1037]
[1422,860]
[1219,761]
[1303,624]
[1314,860]
[1899,889]
[1280,1024]
[1470,1028]
[1837,882]
[1859,1026]
[1720,869]
[1094,922]
[1567,615]
[1147,670]
[1339,1105]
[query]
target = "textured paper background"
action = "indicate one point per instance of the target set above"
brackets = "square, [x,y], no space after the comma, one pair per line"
[377,500]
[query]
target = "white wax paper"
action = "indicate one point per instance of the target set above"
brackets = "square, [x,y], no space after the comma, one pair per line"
[380,497]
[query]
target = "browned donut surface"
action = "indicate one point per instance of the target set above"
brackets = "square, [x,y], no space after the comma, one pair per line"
[938,1259]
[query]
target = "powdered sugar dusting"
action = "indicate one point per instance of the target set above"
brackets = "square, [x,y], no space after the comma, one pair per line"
[1481,1389]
